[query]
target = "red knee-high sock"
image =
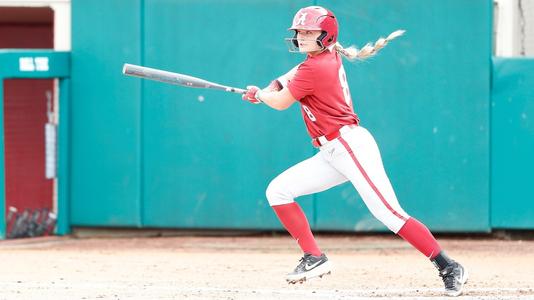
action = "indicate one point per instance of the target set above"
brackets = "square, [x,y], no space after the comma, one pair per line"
[417,234]
[296,223]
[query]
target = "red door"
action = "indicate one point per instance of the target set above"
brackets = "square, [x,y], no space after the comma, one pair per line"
[25,108]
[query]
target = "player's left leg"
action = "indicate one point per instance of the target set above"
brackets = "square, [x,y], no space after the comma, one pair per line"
[453,274]
[358,158]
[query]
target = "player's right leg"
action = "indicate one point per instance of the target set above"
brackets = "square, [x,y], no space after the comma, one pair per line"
[307,177]
[358,158]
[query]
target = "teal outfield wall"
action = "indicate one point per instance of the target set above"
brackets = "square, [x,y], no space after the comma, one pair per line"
[512,144]
[146,154]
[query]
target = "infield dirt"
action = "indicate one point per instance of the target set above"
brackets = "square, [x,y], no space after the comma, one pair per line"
[253,267]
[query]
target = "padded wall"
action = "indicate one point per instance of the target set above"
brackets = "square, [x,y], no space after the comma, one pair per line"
[154,155]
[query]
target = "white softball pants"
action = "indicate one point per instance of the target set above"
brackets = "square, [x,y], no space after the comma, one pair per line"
[353,156]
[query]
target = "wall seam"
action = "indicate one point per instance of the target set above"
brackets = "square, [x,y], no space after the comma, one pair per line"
[490,123]
[141,116]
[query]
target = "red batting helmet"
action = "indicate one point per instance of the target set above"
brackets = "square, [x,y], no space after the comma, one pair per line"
[316,18]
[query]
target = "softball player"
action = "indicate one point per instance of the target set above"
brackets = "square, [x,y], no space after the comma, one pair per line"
[347,150]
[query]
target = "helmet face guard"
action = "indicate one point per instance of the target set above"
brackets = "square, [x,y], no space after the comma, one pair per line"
[293,44]
[315,18]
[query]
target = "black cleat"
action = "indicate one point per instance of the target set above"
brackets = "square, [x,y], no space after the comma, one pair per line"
[309,267]
[454,277]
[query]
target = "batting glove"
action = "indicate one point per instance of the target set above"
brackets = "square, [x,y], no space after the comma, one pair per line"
[252,94]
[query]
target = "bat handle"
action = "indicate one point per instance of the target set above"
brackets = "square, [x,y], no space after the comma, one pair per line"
[238,91]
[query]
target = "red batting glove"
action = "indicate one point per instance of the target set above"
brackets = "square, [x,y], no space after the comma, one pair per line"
[250,95]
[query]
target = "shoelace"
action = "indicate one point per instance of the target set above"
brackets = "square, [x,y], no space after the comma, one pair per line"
[302,262]
[448,278]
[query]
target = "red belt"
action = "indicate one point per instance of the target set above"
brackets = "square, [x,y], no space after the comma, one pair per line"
[316,142]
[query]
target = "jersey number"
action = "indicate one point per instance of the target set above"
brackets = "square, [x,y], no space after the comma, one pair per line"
[344,85]
[309,113]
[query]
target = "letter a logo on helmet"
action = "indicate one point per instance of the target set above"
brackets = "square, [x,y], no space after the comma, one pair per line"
[302,19]
[316,18]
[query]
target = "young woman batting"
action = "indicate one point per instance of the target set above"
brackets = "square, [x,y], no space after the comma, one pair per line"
[347,150]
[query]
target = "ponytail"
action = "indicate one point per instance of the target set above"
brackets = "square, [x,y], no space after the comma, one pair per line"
[352,53]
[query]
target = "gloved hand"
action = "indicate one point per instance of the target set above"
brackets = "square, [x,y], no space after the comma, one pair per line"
[251,93]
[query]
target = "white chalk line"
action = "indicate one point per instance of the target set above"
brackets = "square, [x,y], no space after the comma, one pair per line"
[297,291]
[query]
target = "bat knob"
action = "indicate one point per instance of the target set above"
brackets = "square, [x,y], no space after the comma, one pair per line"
[124,67]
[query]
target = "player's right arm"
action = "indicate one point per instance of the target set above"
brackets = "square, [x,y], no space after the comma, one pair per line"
[300,83]
[279,100]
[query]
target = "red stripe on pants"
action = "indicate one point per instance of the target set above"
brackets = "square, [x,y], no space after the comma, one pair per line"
[369,181]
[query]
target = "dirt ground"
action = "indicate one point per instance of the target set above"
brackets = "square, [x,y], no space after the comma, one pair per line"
[253,267]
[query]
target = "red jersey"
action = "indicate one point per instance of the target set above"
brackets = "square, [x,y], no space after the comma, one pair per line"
[320,85]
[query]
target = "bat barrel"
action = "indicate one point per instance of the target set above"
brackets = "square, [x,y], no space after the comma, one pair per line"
[175,78]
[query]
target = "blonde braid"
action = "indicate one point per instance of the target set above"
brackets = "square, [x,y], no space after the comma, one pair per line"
[352,53]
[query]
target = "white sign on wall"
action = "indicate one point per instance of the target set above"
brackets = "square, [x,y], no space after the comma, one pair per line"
[32,64]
